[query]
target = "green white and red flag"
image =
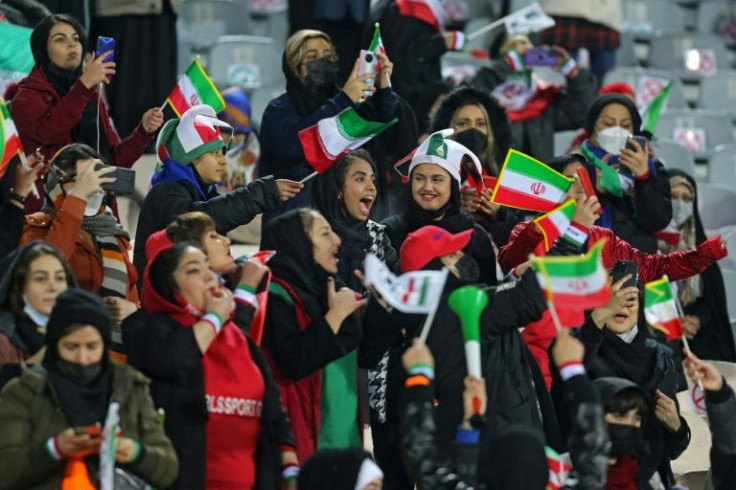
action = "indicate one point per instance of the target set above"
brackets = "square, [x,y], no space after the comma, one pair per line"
[377,43]
[9,139]
[526,183]
[558,223]
[412,292]
[559,469]
[670,235]
[195,88]
[334,137]
[660,308]
[428,11]
[574,282]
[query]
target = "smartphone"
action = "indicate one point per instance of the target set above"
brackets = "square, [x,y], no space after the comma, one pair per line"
[540,57]
[642,140]
[368,64]
[124,184]
[587,185]
[92,430]
[105,44]
[622,268]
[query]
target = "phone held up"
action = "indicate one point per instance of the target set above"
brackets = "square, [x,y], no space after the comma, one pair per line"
[642,140]
[625,267]
[124,184]
[367,65]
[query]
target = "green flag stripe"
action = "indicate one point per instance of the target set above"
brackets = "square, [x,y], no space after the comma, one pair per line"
[423,291]
[657,292]
[655,108]
[204,86]
[352,127]
[529,167]
[573,266]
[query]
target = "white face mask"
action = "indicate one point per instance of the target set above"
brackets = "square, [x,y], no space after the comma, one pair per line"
[612,140]
[681,211]
[93,204]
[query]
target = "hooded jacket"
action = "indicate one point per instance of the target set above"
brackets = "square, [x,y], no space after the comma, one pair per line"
[168,353]
[13,349]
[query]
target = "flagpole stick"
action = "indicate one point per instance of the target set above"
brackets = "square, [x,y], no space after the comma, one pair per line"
[681,314]
[309,177]
[430,316]
[484,29]
[728,235]
[555,317]
[163,106]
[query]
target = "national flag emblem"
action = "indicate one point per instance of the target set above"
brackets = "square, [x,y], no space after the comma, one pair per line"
[334,137]
[660,308]
[526,183]
[412,292]
[554,224]
[195,88]
[9,138]
[575,282]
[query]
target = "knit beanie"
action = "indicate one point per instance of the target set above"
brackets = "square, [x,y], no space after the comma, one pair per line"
[77,307]
[597,106]
[237,112]
[446,153]
[195,134]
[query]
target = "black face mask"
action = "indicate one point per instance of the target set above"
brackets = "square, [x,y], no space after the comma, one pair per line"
[468,269]
[79,374]
[625,439]
[472,139]
[321,73]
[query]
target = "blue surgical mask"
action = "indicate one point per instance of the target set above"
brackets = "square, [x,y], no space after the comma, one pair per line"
[681,211]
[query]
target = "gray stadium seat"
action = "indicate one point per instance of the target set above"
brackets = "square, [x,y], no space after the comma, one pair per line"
[673,155]
[730,261]
[246,52]
[717,127]
[729,281]
[260,98]
[482,42]
[563,140]
[717,206]
[202,22]
[709,11]
[631,75]
[722,167]
[626,54]
[273,22]
[719,92]
[667,51]
[650,16]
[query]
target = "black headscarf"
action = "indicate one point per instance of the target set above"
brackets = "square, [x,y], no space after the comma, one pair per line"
[719,345]
[305,99]
[597,106]
[333,469]
[520,462]
[294,260]
[87,128]
[83,404]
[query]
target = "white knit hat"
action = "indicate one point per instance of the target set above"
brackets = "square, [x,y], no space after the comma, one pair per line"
[444,152]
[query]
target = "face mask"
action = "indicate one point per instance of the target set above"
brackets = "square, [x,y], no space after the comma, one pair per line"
[625,439]
[612,140]
[93,204]
[468,269]
[473,139]
[79,374]
[321,73]
[681,211]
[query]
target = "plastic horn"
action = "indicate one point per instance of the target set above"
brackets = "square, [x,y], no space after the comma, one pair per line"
[468,303]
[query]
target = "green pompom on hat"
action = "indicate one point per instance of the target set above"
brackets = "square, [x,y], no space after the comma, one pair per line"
[195,134]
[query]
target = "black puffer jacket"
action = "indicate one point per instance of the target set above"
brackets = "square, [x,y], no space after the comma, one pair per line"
[535,137]
[588,443]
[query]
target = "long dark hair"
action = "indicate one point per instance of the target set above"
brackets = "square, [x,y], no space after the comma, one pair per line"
[40,37]
[15,301]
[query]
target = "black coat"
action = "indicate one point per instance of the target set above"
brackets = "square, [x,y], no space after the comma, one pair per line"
[169,354]
[535,137]
[168,200]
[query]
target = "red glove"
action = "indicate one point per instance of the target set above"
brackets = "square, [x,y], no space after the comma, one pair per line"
[713,248]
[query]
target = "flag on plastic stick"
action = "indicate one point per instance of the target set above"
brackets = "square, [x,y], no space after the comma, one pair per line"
[377,43]
[528,19]
[574,282]
[660,308]
[468,303]
[108,447]
[10,145]
[526,183]
[259,298]
[554,224]
[334,137]
[195,88]
[655,108]
[412,292]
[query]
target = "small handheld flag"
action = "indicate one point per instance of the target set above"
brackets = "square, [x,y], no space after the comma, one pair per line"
[526,183]
[554,224]
[9,139]
[195,88]
[660,309]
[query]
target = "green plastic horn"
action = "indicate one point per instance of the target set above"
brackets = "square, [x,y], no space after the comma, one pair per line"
[468,302]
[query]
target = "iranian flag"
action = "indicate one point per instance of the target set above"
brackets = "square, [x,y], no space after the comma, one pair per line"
[559,469]
[526,183]
[412,292]
[377,43]
[554,224]
[428,11]
[9,139]
[195,88]
[574,282]
[334,137]
[660,308]
[670,235]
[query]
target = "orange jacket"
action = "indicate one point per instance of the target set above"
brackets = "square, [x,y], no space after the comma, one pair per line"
[64,230]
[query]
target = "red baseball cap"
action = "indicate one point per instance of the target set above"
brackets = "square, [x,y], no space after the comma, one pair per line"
[428,243]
